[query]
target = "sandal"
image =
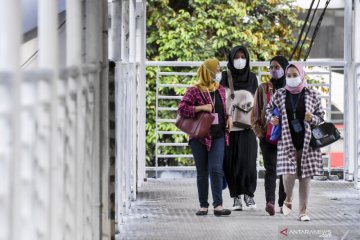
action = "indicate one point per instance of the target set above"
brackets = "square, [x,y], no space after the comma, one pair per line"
[285,209]
[304,218]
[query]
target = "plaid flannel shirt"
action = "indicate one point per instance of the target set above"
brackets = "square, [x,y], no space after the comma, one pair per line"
[193,98]
[311,161]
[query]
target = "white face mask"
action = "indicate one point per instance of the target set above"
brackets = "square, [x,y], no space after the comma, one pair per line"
[217,77]
[239,63]
[293,82]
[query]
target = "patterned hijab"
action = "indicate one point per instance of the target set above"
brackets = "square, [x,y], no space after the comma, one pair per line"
[206,73]
[300,87]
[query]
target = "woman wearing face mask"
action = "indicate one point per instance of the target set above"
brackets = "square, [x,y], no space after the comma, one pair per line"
[260,126]
[240,156]
[207,95]
[300,109]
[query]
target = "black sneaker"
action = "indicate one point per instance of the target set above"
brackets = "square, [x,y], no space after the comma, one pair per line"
[249,201]
[237,204]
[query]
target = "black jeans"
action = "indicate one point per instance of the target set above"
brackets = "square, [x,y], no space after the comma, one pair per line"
[209,162]
[269,152]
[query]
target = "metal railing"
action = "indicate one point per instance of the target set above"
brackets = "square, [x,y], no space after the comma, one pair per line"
[184,74]
[126,98]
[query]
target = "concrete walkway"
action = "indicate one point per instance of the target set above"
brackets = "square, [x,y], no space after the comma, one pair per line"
[166,208]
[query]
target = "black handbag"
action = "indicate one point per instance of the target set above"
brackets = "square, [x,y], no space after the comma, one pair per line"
[324,134]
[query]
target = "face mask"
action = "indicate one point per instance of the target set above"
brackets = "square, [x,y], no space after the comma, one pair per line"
[217,77]
[293,82]
[277,74]
[239,63]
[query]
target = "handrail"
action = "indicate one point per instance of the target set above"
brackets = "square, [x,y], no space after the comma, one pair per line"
[322,62]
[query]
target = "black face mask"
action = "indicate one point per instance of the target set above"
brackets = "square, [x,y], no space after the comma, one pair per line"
[278,83]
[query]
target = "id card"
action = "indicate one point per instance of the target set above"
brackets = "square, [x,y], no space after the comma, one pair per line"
[216,118]
[296,125]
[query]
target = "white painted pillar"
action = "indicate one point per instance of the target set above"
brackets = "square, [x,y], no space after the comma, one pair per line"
[124,81]
[115,54]
[104,126]
[93,51]
[356,29]
[349,100]
[141,88]
[73,226]
[53,164]
[132,97]
[10,146]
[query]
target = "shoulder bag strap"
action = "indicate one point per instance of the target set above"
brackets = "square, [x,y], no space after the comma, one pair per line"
[202,96]
[231,85]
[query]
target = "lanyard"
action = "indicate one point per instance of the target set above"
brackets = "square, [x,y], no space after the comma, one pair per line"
[294,106]
[212,102]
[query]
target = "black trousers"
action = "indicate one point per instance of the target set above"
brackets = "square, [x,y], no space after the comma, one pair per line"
[269,152]
[240,163]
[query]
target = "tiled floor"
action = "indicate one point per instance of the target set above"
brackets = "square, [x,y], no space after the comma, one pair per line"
[165,209]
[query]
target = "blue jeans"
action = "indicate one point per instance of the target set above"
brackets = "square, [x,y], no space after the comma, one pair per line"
[209,162]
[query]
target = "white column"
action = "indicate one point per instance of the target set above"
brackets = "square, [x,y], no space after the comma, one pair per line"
[104,125]
[93,35]
[356,29]
[115,54]
[10,148]
[133,96]
[125,57]
[349,100]
[115,31]
[53,166]
[73,59]
[141,88]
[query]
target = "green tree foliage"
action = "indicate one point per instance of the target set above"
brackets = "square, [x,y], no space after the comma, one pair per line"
[194,30]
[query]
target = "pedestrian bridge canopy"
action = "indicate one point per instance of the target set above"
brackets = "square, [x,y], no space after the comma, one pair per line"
[73,115]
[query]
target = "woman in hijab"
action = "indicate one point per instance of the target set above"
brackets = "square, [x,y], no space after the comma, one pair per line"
[207,95]
[240,155]
[300,109]
[261,128]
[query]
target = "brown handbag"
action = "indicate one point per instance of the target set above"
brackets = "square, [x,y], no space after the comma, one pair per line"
[197,127]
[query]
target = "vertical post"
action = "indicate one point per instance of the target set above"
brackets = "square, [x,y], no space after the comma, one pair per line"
[10,41]
[105,223]
[141,89]
[349,97]
[328,111]
[132,97]
[356,38]
[48,59]
[115,54]
[73,59]
[157,123]
[92,48]
[125,81]
[115,33]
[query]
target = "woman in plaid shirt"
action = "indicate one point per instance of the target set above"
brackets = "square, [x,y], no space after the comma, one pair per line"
[300,109]
[207,95]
